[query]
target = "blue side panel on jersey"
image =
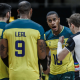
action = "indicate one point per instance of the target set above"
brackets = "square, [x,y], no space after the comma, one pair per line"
[66,33]
[24,23]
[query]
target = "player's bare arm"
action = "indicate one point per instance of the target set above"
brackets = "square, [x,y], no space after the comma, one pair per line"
[3,48]
[47,50]
[41,49]
[61,52]
[42,55]
[3,51]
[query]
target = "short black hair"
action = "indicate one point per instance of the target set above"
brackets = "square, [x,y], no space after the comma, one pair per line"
[24,7]
[52,12]
[4,8]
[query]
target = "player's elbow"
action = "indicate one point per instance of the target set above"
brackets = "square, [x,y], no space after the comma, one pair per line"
[42,57]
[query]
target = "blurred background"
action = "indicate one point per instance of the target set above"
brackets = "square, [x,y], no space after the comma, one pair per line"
[41,7]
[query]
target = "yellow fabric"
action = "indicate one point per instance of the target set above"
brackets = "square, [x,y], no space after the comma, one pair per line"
[42,74]
[1,32]
[57,67]
[25,67]
[11,19]
[3,67]
[46,77]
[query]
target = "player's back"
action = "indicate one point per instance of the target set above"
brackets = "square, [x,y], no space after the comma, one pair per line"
[3,67]
[22,36]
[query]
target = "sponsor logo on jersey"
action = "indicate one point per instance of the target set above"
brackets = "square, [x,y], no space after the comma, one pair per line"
[68,77]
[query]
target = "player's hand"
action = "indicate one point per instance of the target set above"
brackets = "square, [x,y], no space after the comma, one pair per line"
[61,39]
[47,71]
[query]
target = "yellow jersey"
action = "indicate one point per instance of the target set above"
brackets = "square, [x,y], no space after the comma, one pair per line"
[56,66]
[22,36]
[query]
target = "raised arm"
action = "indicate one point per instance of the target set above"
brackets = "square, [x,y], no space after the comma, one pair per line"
[69,47]
[61,52]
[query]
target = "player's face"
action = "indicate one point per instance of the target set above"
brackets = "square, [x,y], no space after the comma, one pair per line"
[53,22]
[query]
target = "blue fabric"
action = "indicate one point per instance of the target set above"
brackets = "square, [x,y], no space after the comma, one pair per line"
[66,32]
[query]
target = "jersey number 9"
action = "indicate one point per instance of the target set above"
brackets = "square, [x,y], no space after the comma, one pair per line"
[20,48]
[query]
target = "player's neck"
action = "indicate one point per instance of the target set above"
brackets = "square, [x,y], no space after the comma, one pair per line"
[24,17]
[3,19]
[77,30]
[59,30]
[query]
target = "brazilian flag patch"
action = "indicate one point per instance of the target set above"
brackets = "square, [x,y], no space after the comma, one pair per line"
[67,44]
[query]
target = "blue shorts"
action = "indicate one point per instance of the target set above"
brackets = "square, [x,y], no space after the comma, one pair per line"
[64,76]
[5,79]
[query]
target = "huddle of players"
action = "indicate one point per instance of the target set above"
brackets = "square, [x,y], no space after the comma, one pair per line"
[26,44]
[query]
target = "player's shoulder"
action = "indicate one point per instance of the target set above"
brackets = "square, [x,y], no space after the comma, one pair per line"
[26,22]
[2,25]
[75,35]
[47,33]
[67,30]
[35,23]
[9,25]
[37,26]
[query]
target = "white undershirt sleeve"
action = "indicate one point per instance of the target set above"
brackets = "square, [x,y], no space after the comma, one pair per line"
[59,48]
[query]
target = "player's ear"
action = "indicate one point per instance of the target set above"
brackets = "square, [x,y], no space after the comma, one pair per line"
[47,21]
[8,14]
[18,11]
[59,20]
[31,11]
[72,25]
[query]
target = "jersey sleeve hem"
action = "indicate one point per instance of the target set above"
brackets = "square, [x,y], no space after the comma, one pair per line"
[67,49]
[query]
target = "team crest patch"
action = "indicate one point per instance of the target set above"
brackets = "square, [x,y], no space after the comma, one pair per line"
[49,43]
[67,44]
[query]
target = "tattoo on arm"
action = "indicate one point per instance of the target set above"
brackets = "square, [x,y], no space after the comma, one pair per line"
[2,48]
[42,47]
